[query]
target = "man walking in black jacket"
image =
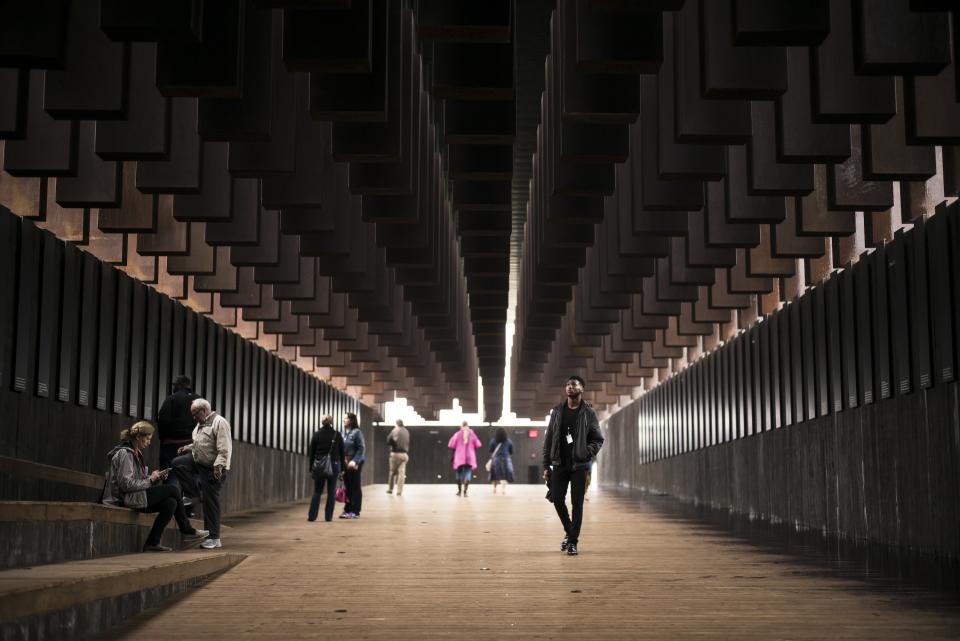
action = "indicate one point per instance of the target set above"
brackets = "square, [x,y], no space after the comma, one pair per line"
[572,440]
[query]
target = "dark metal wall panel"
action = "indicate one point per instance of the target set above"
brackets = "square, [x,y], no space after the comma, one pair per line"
[899,311]
[699,398]
[862,275]
[938,265]
[808,344]
[276,425]
[107,342]
[729,376]
[225,363]
[685,404]
[89,332]
[786,370]
[266,429]
[283,411]
[273,399]
[121,350]
[212,367]
[298,423]
[292,424]
[48,339]
[820,340]
[239,392]
[138,336]
[199,374]
[28,308]
[189,350]
[832,298]
[676,416]
[796,362]
[882,376]
[179,337]
[667,408]
[9,264]
[756,392]
[716,400]
[70,324]
[260,408]
[662,451]
[151,360]
[775,386]
[167,349]
[766,381]
[743,421]
[248,394]
[953,220]
[919,307]
[848,337]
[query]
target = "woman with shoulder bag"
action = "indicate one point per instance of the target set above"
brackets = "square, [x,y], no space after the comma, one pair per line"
[127,484]
[326,464]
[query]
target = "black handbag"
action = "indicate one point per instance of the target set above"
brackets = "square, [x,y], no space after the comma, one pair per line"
[322,467]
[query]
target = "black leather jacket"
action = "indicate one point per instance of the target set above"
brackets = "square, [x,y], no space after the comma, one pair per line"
[587,438]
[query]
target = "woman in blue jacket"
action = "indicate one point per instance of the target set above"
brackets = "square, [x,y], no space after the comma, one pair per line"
[353,455]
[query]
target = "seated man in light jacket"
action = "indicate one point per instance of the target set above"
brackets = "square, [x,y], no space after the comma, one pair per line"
[207,459]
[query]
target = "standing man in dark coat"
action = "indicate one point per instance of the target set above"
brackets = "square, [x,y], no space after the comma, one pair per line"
[572,440]
[175,423]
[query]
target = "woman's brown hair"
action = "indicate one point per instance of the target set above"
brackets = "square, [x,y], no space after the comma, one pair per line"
[140,428]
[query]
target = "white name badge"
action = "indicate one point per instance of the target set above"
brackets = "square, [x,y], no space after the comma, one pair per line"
[569,439]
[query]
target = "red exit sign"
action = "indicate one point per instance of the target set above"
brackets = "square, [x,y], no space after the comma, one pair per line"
[533,433]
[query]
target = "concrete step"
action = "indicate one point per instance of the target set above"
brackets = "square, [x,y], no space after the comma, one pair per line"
[39,532]
[79,599]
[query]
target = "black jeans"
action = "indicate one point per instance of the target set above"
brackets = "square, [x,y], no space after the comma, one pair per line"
[168,452]
[353,486]
[560,478]
[318,485]
[197,481]
[165,502]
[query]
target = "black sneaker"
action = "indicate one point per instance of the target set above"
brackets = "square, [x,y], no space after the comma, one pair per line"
[156,548]
[564,543]
[572,549]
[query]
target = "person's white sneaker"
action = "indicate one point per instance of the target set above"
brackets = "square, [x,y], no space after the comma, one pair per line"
[210,544]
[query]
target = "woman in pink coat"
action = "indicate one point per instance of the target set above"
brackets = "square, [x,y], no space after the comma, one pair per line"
[464,445]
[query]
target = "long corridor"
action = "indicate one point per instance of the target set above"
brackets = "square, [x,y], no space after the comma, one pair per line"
[430,565]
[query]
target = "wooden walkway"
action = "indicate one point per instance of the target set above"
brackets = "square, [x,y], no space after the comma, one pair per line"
[430,565]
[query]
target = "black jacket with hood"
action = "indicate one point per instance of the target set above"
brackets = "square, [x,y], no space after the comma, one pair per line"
[587,438]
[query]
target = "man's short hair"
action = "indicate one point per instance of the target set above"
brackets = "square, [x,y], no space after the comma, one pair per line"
[182,383]
[200,403]
[577,379]
[399,423]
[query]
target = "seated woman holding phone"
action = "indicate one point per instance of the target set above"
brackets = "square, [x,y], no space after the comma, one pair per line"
[127,484]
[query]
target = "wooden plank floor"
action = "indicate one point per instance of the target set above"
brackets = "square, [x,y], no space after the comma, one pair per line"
[430,565]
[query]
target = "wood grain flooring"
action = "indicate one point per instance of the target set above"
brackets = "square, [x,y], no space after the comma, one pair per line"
[430,565]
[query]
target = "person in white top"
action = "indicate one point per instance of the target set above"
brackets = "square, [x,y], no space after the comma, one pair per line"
[207,460]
